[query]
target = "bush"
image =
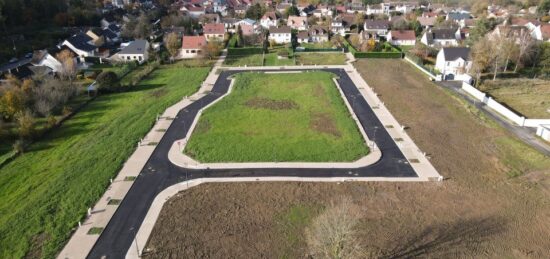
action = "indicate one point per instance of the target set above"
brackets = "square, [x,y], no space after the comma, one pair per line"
[19,146]
[25,124]
[108,81]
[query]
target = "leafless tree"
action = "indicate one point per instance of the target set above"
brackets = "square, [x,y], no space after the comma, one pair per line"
[526,48]
[50,95]
[68,65]
[333,234]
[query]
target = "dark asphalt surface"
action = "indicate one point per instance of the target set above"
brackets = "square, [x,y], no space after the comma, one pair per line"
[159,173]
[525,134]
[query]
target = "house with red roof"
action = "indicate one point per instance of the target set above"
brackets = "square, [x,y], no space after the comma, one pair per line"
[214,31]
[402,37]
[191,46]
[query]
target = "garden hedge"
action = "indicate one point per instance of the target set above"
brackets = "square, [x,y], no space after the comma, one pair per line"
[244,51]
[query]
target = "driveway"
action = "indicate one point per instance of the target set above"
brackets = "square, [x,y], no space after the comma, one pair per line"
[159,173]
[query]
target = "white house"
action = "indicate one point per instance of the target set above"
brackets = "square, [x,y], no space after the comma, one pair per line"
[541,32]
[137,50]
[402,38]
[191,46]
[441,37]
[376,28]
[280,35]
[43,58]
[81,44]
[453,62]
[269,19]
[337,26]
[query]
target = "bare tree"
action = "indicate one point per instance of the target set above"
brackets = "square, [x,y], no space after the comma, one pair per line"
[333,234]
[68,65]
[526,48]
[50,95]
[481,57]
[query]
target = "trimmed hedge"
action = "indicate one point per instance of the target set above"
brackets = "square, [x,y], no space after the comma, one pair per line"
[244,51]
[395,53]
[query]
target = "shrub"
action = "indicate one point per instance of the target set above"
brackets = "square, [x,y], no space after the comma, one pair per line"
[19,146]
[108,81]
[25,124]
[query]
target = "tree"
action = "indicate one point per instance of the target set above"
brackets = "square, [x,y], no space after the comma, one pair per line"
[481,57]
[416,27]
[526,48]
[358,19]
[143,27]
[292,10]
[50,96]
[255,12]
[108,81]
[12,101]
[173,44]
[212,49]
[68,65]
[333,234]
[544,58]
[25,124]
[481,28]
[543,7]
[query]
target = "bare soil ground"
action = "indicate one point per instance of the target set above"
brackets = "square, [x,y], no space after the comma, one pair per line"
[494,203]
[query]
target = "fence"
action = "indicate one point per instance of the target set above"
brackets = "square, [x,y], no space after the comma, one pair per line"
[394,53]
[503,110]
[421,68]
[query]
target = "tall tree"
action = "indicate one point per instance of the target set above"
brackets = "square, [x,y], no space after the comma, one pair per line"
[173,44]
[143,27]
[526,49]
[481,57]
[68,65]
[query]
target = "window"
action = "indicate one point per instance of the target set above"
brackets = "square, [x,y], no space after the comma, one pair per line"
[140,58]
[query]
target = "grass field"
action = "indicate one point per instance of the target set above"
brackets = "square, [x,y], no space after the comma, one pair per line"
[47,190]
[272,59]
[278,117]
[248,60]
[530,97]
[493,203]
[319,58]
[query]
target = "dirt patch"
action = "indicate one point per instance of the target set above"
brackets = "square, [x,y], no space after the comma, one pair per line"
[266,103]
[36,245]
[479,211]
[324,123]
[319,92]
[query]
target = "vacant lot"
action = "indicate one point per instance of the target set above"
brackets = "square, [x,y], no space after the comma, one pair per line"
[47,190]
[320,58]
[494,203]
[278,117]
[247,60]
[272,59]
[530,97]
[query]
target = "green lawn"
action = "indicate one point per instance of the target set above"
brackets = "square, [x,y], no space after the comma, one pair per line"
[530,97]
[320,58]
[272,59]
[278,117]
[47,190]
[248,60]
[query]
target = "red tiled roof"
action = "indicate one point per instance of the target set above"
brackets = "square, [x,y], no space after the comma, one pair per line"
[193,42]
[403,35]
[213,28]
[545,30]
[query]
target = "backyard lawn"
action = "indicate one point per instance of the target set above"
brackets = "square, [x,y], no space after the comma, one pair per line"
[272,59]
[530,97]
[278,117]
[247,60]
[48,189]
[320,58]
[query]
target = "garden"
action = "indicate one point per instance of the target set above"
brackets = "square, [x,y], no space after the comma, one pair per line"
[278,117]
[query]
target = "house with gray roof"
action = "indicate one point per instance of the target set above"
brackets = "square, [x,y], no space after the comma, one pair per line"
[137,50]
[437,38]
[453,62]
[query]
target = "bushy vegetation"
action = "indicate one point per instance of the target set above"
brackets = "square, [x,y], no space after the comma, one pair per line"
[278,117]
[47,190]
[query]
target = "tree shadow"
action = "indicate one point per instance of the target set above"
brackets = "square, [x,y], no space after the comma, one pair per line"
[444,240]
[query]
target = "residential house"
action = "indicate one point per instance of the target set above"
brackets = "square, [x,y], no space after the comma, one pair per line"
[427,22]
[297,22]
[269,19]
[248,29]
[318,34]
[82,45]
[440,37]
[541,32]
[240,9]
[137,50]
[97,36]
[214,31]
[280,35]
[302,37]
[337,26]
[452,62]
[107,20]
[402,38]
[194,10]
[458,17]
[376,28]
[43,58]
[229,24]
[209,18]
[375,9]
[192,46]
[111,34]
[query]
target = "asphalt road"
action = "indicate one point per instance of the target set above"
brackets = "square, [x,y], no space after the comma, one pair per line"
[525,134]
[159,173]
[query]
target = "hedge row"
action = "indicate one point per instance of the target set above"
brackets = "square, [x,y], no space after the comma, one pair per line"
[395,53]
[244,51]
